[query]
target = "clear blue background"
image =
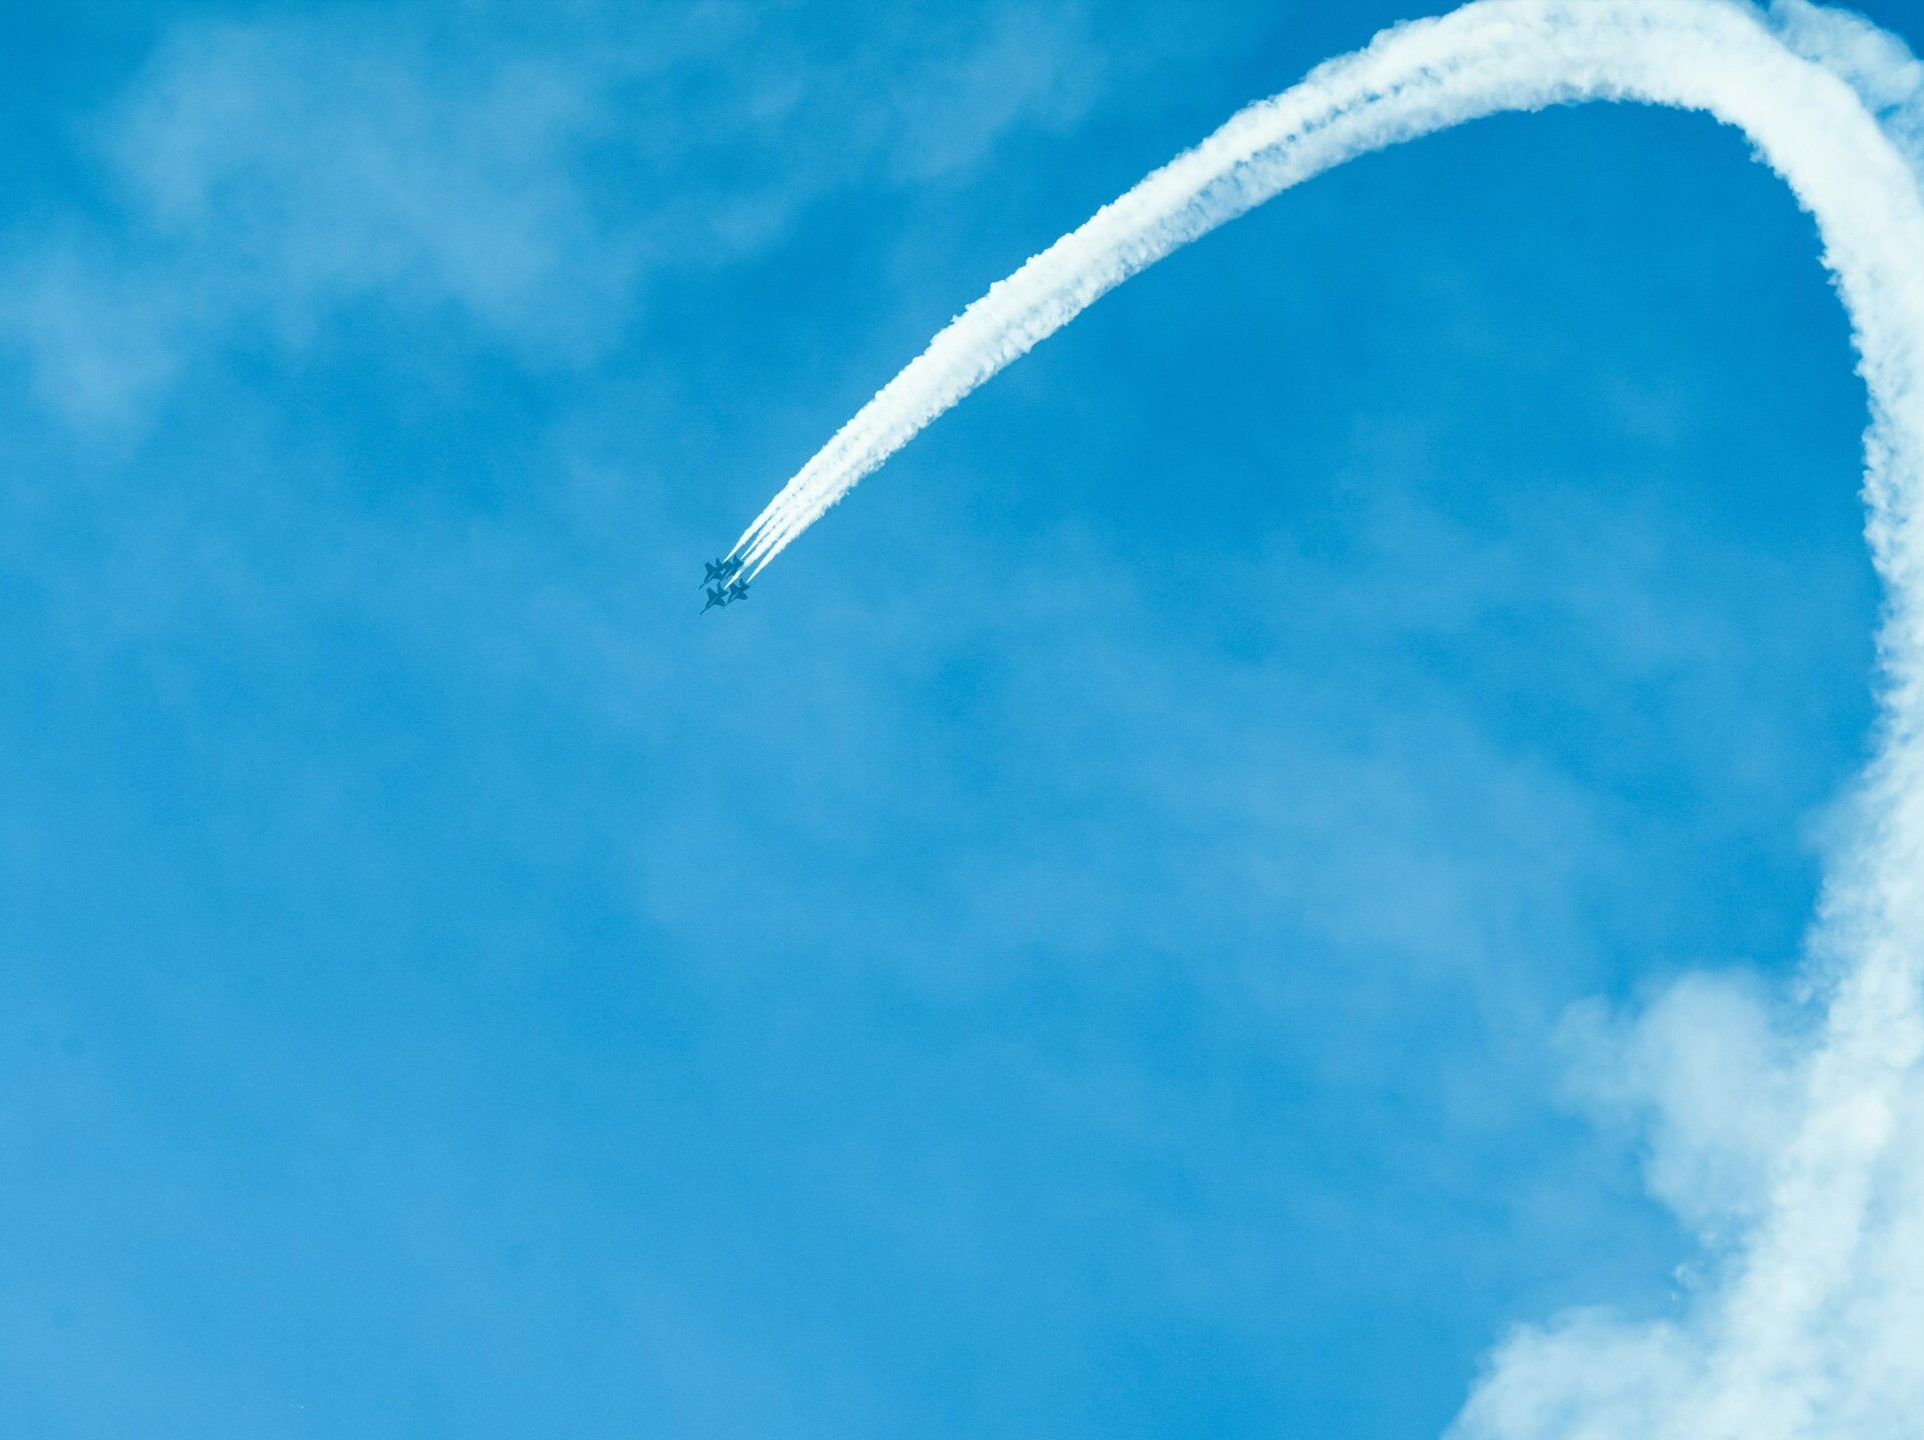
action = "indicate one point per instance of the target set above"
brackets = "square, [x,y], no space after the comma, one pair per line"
[1082,952]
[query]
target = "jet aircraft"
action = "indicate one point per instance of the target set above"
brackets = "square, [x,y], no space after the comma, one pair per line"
[723,570]
[718,597]
[738,591]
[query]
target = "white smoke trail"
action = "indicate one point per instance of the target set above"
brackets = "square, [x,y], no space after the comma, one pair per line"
[1814,1322]
[1498,55]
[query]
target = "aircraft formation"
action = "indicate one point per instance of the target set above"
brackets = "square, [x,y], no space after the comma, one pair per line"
[722,586]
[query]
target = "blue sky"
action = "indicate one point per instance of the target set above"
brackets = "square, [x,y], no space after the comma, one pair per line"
[1090,950]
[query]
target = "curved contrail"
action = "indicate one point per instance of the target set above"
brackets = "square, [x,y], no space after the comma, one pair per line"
[1795,1338]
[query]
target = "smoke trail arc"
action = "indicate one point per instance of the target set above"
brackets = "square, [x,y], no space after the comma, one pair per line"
[1496,55]
[1778,1347]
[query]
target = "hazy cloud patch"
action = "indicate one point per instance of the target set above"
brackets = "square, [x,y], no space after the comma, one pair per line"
[534,184]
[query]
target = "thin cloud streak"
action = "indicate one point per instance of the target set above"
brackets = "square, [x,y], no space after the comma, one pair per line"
[1812,1320]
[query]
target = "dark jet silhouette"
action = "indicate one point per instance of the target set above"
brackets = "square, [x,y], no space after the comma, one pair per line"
[738,591]
[717,598]
[723,570]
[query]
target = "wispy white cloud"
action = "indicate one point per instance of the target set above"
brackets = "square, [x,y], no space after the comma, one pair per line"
[1704,1074]
[534,182]
[259,177]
